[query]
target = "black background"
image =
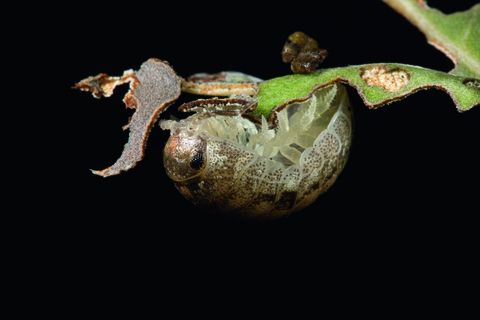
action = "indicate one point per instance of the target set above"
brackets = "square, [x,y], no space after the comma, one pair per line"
[409,187]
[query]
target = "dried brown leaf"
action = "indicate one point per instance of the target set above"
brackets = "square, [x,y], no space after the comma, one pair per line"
[152,89]
[103,85]
[221,84]
[238,104]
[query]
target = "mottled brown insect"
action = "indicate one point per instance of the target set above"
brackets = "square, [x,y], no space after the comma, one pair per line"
[229,166]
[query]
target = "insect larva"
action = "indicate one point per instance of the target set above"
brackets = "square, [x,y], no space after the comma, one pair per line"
[234,168]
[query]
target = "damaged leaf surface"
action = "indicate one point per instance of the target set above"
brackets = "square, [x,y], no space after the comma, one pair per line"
[377,84]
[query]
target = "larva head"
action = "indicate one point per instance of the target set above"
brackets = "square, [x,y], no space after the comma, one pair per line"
[184,157]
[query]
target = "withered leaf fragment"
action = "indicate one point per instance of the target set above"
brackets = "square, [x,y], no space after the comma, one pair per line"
[302,53]
[152,89]
[102,85]
[241,105]
[221,84]
[233,106]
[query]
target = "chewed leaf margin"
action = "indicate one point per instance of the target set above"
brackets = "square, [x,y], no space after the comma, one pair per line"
[377,85]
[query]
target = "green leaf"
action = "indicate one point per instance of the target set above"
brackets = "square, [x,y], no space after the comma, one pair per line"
[377,84]
[457,34]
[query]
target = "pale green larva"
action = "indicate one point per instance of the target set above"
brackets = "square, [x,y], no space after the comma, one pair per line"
[236,169]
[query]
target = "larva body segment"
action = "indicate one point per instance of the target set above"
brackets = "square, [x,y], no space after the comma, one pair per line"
[234,168]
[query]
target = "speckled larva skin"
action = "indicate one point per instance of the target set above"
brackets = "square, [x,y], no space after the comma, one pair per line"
[236,181]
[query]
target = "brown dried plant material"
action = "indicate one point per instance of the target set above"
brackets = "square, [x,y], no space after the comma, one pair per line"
[381,76]
[221,84]
[103,85]
[295,43]
[152,89]
[225,77]
[229,107]
[302,53]
[242,105]
[218,89]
